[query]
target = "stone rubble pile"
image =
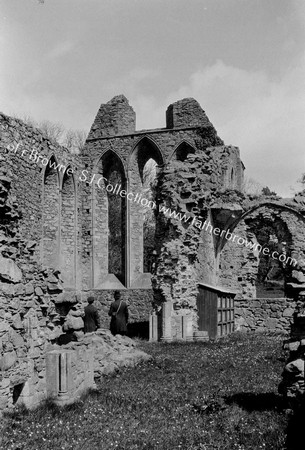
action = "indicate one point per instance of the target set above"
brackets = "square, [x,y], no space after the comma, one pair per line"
[111,353]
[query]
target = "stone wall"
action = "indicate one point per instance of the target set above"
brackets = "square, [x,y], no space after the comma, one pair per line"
[292,386]
[114,117]
[56,245]
[74,368]
[264,314]
[111,353]
[29,321]
[187,250]
[40,231]
[43,182]
[69,374]
[139,303]
[132,149]
[186,112]
[238,266]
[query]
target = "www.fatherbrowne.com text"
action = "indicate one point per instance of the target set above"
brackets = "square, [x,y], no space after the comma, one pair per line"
[103,183]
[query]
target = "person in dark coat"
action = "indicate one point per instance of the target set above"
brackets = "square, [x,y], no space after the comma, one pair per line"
[91,319]
[119,315]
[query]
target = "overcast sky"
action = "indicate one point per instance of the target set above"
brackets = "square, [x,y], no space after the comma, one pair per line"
[243,60]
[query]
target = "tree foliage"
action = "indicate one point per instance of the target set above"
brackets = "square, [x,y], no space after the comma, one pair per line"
[267,191]
[254,187]
[73,140]
[302,180]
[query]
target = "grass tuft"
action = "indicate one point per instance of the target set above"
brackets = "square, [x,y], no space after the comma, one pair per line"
[192,396]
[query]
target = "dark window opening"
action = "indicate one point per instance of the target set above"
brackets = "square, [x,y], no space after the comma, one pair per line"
[113,171]
[183,151]
[17,392]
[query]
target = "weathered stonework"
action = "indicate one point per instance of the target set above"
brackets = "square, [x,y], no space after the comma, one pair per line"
[40,269]
[292,386]
[264,314]
[72,226]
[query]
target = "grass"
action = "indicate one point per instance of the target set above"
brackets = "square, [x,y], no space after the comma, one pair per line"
[220,395]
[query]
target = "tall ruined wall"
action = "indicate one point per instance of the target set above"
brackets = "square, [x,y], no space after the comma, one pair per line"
[186,112]
[36,313]
[44,180]
[187,253]
[114,117]
[238,264]
[29,320]
[39,235]
[20,146]
[132,149]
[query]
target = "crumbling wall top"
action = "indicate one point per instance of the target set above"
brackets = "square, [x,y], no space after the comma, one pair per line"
[186,113]
[115,117]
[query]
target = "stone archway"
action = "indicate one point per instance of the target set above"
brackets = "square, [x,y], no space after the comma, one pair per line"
[68,237]
[183,150]
[265,238]
[109,223]
[50,215]
[144,152]
[272,234]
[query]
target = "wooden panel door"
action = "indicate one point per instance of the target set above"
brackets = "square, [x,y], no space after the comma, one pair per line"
[225,315]
[207,311]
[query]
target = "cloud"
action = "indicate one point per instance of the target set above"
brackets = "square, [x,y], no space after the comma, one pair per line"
[60,50]
[130,83]
[262,115]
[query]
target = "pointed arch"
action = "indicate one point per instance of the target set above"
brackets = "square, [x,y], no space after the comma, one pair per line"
[146,148]
[266,225]
[68,237]
[50,214]
[104,156]
[272,205]
[141,242]
[182,151]
[109,221]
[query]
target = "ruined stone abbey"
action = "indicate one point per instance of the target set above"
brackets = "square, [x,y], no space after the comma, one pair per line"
[88,224]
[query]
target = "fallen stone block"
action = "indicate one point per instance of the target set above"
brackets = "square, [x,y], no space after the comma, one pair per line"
[9,270]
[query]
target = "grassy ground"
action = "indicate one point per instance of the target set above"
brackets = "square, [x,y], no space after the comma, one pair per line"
[219,395]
